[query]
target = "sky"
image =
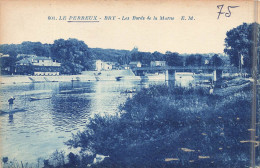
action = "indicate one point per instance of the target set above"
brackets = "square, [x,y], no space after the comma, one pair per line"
[28,21]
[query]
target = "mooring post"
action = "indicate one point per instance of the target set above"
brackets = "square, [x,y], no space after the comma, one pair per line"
[217,74]
[166,75]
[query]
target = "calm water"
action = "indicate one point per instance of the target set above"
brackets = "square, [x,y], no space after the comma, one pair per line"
[47,124]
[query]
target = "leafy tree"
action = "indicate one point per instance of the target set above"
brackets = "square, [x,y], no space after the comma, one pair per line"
[125,59]
[73,54]
[143,57]
[11,49]
[35,48]
[157,56]
[239,42]
[7,62]
[216,61]
[194,60]
[174,59]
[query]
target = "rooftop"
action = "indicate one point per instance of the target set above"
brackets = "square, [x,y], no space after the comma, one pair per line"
[134,62]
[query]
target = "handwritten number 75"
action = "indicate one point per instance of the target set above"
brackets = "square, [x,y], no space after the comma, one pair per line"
[227,14]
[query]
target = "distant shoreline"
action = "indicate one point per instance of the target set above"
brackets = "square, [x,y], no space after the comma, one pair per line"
[84,77]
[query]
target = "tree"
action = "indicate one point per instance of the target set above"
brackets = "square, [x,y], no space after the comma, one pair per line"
[73,54]
[216,61]
[6,62]
[194,60]
[143,57]
[157,56]
[239,43]
[36,48]
[174,59]
[11,49]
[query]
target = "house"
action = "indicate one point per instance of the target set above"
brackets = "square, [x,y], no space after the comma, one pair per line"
[105,66]
[135,64]
[98,65]
[38,66]
[44,61]
[157,63]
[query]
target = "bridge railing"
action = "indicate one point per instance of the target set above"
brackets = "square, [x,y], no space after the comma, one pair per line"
[184,68]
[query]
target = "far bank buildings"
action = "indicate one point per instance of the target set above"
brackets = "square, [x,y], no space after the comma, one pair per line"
[36,65]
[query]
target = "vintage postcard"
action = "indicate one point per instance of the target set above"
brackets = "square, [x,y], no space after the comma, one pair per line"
[129,84]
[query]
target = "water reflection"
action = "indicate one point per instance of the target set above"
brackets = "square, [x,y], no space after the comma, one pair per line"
[11,118]
[70,111]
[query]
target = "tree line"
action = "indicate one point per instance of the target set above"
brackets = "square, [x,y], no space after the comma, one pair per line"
[75,56]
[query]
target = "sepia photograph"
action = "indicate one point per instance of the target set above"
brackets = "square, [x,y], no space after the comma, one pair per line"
[129,84]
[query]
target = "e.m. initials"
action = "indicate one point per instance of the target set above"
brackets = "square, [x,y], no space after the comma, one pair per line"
[226,14]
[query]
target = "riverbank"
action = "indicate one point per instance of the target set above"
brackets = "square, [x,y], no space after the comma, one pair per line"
[111,75]
[85,76]
[173,127]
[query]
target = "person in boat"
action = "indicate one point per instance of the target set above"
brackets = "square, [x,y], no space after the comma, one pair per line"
[11,102]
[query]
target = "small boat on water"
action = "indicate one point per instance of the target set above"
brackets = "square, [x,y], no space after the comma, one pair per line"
[12,111]
[130,91]
[38,98]
[118,78]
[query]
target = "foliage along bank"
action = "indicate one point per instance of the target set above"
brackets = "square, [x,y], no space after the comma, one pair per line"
[166,127]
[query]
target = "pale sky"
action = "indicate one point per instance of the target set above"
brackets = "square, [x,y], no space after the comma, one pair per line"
[28,21]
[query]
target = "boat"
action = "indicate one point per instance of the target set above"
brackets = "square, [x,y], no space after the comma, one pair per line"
[12,111]
[38,98]
[118,78]
[130,91]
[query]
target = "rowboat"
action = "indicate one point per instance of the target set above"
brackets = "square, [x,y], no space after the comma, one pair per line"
[12,111]
[118,78]
[38,98]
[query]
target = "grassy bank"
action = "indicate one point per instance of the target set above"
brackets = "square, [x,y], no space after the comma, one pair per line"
[173,127]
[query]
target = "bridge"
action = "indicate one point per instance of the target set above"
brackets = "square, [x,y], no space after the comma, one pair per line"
[171,70]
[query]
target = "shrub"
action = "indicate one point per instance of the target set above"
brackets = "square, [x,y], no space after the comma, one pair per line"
[195,128]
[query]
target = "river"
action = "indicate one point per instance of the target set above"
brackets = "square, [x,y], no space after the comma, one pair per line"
[48,123]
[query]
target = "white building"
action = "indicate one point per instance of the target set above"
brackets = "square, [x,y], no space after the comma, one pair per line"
[41,73]
[104,66]
[99,65]
[44,61]
[38,61]
[40,66]
[157,63]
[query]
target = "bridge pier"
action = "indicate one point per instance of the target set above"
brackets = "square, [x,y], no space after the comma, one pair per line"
[166,75]
[169,75]
[217,74]
[139,73]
